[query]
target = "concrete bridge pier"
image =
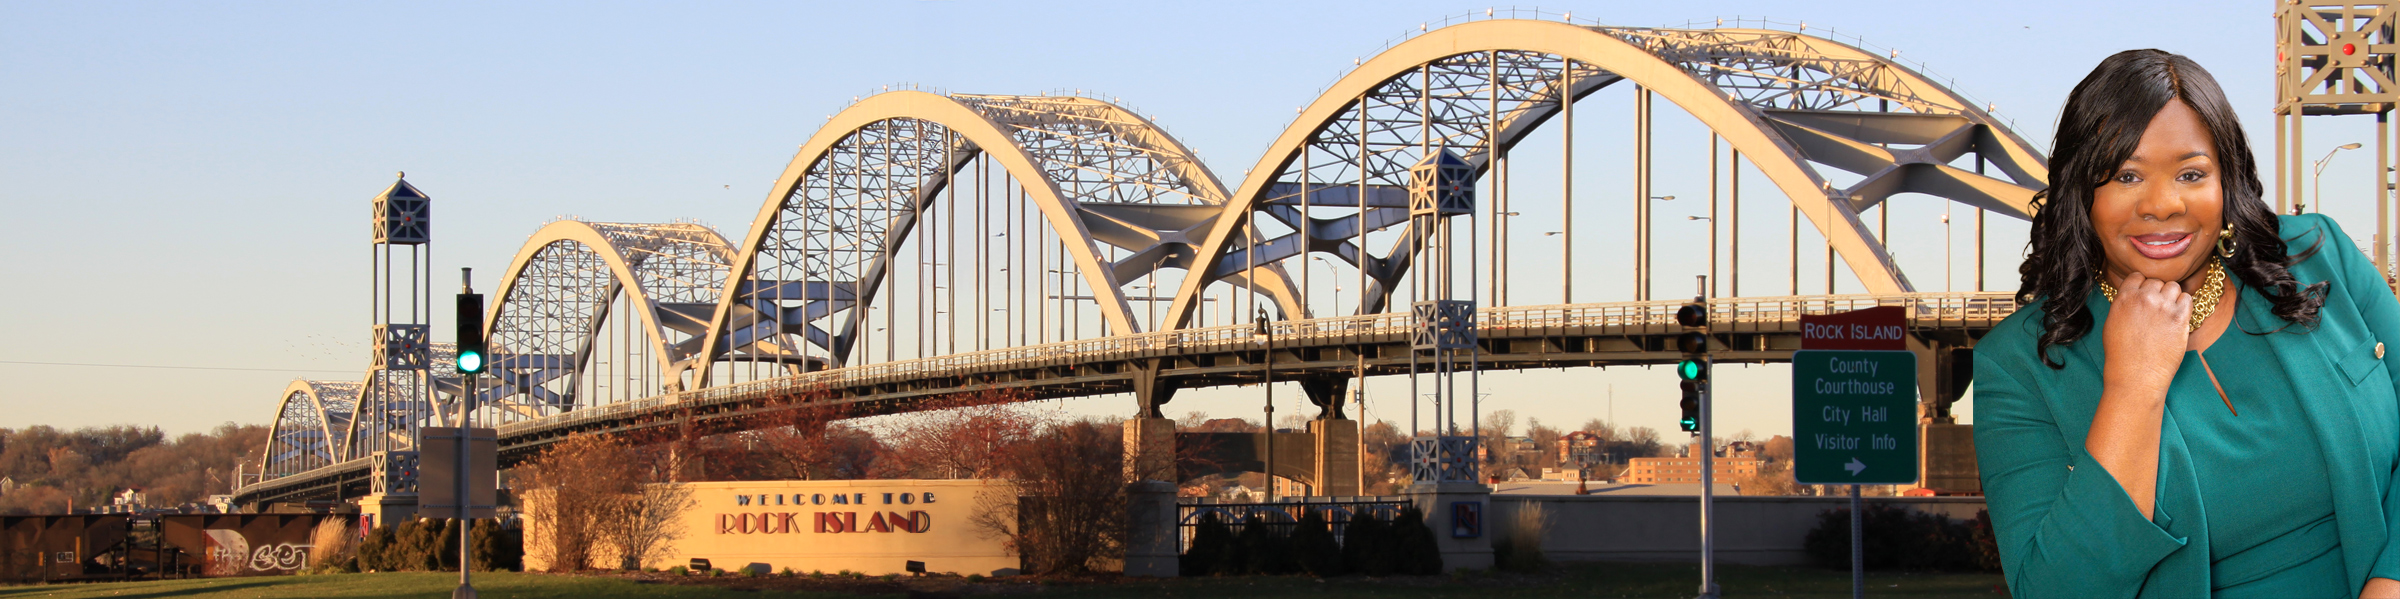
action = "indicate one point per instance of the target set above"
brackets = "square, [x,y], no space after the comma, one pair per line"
[1946,449]
[1150,450]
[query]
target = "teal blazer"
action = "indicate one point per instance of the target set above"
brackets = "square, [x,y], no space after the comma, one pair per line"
[2067,529]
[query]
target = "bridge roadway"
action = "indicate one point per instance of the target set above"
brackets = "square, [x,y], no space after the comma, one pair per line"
[1324,353]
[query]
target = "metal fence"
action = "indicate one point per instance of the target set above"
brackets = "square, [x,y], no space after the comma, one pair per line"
[1281,517]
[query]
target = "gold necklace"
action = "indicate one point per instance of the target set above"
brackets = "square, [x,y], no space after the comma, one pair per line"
[2204,303]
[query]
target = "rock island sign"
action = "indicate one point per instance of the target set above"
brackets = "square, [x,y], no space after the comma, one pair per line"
[1854,400]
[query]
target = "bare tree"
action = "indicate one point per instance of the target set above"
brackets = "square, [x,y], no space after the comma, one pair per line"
[1497,425]
[970,437]
[643,524]
[1385,474]
[1064,505]
[572,483]
[1545,443]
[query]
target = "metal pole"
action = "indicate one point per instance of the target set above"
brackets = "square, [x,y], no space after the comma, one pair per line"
[1566,195]
[466,422]
[1267,383]
[2282,158]
[1708,472]
[1736,266]
[1712,214]
[2383,209]
[1858,548]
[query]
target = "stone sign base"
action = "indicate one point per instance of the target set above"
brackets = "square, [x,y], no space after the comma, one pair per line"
[873,527]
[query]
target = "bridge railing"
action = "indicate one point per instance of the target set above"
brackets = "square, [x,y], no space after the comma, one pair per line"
[1925,310]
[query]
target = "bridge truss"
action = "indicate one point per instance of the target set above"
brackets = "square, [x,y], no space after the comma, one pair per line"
[922,243]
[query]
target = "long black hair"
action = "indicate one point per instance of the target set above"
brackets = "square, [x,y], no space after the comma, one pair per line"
[2103,123]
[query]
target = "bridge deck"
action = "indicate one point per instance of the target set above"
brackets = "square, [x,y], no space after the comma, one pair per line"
[1751,330]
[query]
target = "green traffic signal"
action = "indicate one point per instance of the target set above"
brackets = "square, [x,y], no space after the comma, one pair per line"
[1692,370]
[470,334]
[1691,406]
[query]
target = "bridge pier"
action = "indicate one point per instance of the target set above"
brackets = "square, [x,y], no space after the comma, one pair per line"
[1336,445]
[1150,450]
[1946,449]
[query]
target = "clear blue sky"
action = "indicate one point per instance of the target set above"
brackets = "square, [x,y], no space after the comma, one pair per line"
[187,184]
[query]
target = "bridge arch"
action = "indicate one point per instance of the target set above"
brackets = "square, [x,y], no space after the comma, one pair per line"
[1098,174]
[560,289]
[1789,102]
[312,424]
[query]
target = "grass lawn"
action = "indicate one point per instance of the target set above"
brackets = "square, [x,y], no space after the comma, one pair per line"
[1569,580]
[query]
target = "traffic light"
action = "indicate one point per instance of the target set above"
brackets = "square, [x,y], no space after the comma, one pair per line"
[471,357]
[1691,406]
[1693,368]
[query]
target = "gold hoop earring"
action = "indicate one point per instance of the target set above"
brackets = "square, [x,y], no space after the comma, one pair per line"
[2225,242]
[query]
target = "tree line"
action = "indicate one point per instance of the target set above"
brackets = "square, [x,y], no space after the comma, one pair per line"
[49,469]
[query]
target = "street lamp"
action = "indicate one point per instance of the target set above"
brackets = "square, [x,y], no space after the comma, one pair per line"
[1712,243]
[1265,336]
[1337,284]
[1946,248]
[2319,175]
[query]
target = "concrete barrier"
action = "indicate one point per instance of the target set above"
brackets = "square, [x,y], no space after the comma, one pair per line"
[1749,530]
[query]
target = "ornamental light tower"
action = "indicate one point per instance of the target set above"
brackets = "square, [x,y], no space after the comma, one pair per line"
[398,397]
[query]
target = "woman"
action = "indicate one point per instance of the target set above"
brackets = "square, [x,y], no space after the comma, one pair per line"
[2194,398]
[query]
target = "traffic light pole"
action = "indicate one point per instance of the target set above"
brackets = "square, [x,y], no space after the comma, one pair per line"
[470,361]
[1708,471]
[466,565]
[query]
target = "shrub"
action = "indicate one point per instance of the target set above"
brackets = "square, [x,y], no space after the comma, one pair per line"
[1987,545]
[1212,548]
[1314,548]
[679,571]
[1265,551]
[974,578]
[497,546]
[1418,553]
[371,550]
[1897,538]
[1367,546]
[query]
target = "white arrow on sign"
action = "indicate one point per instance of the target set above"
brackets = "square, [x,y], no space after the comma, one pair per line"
[1855,467]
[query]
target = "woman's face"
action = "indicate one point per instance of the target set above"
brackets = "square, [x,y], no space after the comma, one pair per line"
[2160,212]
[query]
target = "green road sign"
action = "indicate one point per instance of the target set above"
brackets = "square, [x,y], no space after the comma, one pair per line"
[1854,417]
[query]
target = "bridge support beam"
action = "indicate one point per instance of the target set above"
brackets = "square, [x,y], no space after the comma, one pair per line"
[1150,392]
[1326,392]
[1337,451]
[1150,450]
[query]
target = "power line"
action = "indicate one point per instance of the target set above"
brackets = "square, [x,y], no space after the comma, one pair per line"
[168,367]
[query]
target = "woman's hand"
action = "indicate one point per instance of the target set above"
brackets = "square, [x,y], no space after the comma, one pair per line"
[2145,334]
[2144,339]
[2380,588]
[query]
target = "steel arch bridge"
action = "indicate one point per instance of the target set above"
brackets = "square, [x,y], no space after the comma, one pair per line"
[1027,240]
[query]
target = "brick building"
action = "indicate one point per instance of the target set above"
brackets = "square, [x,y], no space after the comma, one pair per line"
[1739,459]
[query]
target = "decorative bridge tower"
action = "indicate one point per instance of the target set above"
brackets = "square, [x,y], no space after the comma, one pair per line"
[398,397]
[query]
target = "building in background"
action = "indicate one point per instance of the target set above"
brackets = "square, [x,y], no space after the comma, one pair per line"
[1739,459]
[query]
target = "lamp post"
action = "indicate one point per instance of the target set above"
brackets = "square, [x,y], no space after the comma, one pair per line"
[1712,242]
[2319,175]
[1945,248]
[1337,285]
[1641,288]
[1265,336]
